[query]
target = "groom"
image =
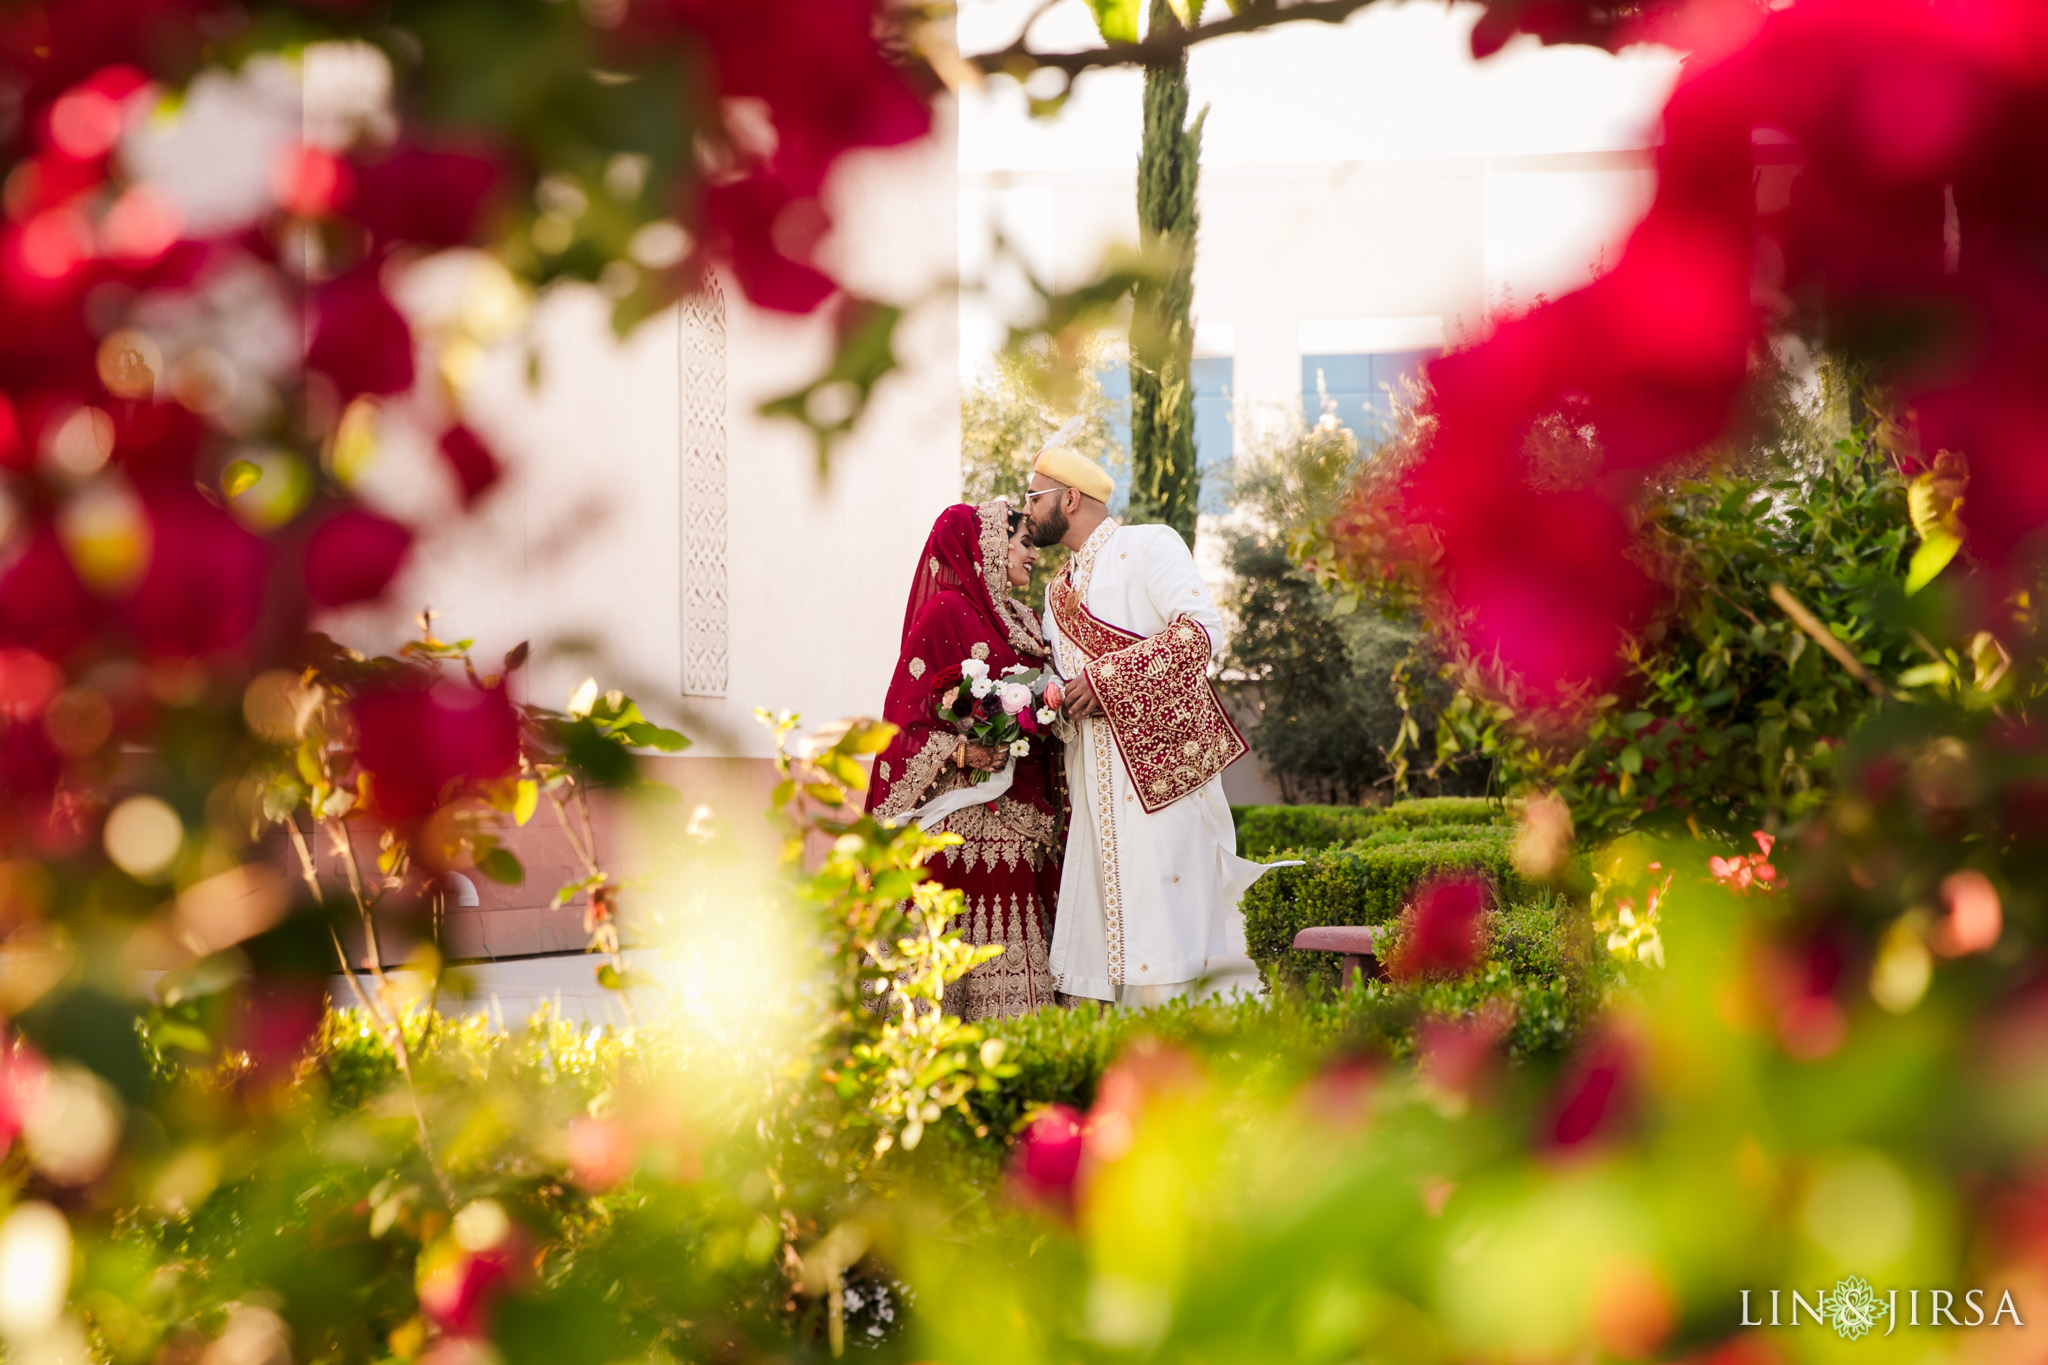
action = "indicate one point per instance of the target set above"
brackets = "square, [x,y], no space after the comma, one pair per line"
[1149,893]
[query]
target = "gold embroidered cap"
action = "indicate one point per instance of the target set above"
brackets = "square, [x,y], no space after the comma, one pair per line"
[1071,468]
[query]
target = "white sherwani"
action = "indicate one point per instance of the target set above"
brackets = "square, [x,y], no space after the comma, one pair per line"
[1148,903]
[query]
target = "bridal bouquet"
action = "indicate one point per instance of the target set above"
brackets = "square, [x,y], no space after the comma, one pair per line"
[1005,711]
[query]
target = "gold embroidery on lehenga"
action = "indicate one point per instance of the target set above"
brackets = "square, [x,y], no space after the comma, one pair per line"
[918,772]
[916,667]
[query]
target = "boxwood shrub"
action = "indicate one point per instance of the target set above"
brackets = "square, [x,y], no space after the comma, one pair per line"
[1366,883]
[1262,830]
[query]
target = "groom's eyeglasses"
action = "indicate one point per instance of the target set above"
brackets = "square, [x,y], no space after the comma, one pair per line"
[1043,492]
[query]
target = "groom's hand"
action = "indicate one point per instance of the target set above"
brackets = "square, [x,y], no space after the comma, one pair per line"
[1081,700]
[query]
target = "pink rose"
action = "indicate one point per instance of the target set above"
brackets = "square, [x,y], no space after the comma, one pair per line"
[1054,697]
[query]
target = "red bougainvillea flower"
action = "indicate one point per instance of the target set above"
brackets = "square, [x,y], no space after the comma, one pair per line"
[360,339]
[1443,929]
[353,556]
[278,1016]
[747,224]
[1593,1094]
[1868,170]
[415,194]
[459,1286]
[475,468]
[43,602]
[1047,1162]
[827,87]
[419,743]
[203,587]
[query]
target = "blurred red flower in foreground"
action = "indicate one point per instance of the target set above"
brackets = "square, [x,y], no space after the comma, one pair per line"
[475,468]
[827,88]
[1048,1159]
[360,339]
[1863,170]
[1443,929]
[353,556]
[418,742]
[1593,1093]
[601,1153]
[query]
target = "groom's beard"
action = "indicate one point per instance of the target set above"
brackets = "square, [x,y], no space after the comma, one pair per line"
[1049,529]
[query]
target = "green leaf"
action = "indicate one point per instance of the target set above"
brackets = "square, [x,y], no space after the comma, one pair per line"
[646,735]
[1116,20]
[501,866]
[1937,548]
[239,477]
[571,890]
[1631,760]
[612,979]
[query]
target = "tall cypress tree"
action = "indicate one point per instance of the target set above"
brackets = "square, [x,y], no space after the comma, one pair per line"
[1165,484]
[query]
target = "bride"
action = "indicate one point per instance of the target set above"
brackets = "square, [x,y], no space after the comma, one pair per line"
[1008,865]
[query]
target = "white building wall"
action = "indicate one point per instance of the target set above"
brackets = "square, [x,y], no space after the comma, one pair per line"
[579,549]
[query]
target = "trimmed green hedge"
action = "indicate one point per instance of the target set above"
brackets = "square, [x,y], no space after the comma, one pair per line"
[1536,966]
[1263,830]
[1364,884]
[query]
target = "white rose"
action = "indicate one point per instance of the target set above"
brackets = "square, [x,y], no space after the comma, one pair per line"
[1015,668]
[1046,715]
[1020,747]
[982,687]
[973,668]
[1015,696]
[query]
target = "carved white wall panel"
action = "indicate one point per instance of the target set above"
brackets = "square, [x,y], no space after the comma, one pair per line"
[703,355]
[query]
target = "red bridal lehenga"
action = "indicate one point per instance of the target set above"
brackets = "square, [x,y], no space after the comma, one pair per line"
[1008,863]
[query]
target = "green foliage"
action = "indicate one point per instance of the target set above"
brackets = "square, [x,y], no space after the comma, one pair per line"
[1264,830]
[1165,484]
[1365,884]
[1732,713]
[1006,416]
[1322,673]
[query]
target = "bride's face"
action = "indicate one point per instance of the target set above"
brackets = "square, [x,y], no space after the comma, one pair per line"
[1023,556]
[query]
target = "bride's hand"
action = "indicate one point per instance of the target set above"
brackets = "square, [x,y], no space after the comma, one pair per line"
[982,757]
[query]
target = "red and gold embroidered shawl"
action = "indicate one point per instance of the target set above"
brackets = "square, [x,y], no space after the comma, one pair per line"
[1169,724]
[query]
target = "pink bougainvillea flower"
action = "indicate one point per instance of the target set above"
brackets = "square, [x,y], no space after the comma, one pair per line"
[1745,873]
[1975,918]
[353,556]
[419,743]
[360,339]
[1443,929]
[475,468]
[1457,1055]
[601,1153]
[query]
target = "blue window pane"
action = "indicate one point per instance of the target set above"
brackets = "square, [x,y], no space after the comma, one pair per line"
[1215,441]
[1362,388]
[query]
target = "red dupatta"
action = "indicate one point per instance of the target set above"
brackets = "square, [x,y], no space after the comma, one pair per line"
[959,608]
